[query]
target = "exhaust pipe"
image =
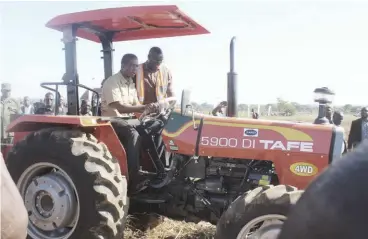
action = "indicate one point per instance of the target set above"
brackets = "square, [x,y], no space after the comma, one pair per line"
[232,76]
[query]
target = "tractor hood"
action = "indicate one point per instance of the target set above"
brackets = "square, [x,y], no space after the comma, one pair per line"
[249,138]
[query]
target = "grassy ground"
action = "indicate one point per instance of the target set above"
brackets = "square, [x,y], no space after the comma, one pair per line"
[151,226]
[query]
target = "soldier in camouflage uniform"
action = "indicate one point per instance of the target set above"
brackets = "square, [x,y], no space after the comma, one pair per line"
[8,107]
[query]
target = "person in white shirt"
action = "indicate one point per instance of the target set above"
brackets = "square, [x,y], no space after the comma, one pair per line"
[337,119]
[27,107]
[85,108]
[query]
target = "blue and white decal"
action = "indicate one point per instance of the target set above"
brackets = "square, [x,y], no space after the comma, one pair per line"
[250,132]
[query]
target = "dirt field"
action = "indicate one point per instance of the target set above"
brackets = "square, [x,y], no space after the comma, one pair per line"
[157,227]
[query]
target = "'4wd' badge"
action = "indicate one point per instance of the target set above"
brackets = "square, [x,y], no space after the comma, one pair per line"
[250,132]
[303,169]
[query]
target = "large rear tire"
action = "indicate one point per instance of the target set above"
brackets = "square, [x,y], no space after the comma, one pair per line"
[257,214]
[71,185]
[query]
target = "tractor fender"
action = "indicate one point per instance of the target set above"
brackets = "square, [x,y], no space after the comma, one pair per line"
[99,127]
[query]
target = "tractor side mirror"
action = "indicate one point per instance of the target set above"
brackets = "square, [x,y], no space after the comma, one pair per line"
[185,101]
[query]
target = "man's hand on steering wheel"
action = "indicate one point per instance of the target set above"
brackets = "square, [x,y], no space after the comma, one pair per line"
[150,110]
[153,107]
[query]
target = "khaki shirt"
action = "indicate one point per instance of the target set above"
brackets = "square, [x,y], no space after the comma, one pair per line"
[8,107]
[117,88]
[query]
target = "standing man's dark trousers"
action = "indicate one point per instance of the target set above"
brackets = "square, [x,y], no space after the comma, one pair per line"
[131,141]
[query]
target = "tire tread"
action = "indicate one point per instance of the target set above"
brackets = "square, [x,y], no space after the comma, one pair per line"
[254,203]
[109,185]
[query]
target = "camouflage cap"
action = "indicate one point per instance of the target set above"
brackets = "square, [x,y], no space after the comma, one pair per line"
[5,86]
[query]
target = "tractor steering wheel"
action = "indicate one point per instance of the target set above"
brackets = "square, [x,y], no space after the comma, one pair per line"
[165,107]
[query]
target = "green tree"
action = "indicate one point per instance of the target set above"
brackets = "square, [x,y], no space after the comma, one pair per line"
[242,107]
[347,108]
[285,107]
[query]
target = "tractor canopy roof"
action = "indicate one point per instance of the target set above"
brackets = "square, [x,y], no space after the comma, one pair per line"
[130,23]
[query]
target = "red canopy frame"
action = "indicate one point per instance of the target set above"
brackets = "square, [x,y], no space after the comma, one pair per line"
[110,25]
[130,23]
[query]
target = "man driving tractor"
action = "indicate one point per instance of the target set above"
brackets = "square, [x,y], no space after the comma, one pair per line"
[119,100]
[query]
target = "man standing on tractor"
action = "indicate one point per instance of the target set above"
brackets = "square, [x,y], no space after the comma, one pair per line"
[154,79]
[119,100]
[8,107]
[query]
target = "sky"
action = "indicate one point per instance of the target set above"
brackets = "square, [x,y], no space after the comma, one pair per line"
[284,49]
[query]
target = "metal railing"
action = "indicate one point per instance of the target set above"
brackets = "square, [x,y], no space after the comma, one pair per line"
[46,85]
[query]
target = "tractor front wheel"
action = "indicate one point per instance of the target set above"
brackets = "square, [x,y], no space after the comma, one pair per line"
[258,214]
[71,185]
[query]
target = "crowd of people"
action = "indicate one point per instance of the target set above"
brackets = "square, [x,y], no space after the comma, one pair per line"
[46,106]
[221,110]
[358,129]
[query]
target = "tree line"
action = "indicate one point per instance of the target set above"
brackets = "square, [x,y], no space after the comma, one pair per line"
[281,107]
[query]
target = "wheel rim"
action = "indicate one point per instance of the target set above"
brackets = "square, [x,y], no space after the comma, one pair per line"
[263,227]
[51,200]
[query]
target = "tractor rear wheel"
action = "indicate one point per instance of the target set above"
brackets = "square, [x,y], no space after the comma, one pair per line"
[71,185]
[257,214]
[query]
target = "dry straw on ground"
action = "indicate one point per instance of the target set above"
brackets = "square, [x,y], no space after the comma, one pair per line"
[153,226]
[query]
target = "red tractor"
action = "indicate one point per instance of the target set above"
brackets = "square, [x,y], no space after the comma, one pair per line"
[72,171]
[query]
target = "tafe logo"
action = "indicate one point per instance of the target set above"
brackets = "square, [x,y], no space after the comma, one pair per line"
[304,169]
[251,132]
